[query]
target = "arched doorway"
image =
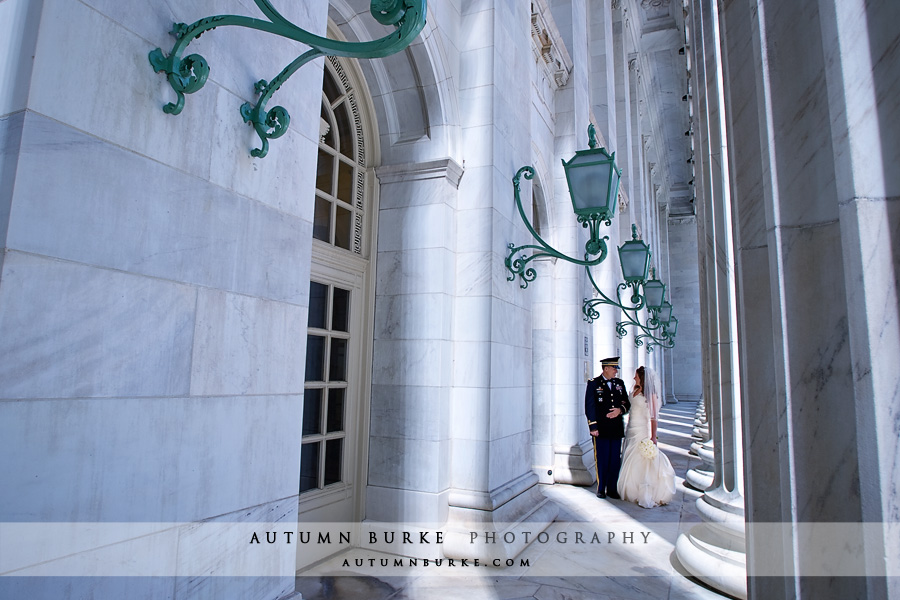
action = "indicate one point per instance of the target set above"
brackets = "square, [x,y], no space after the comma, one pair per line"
[337,388]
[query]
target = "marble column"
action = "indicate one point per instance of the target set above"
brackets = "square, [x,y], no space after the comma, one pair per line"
[715,552]
[624,133]
[574,456]
[868,189]
[661,359]
[410,406]
[818,274]
[492,487]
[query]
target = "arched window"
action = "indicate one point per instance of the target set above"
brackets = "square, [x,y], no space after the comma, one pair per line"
[336,389]
[340,172]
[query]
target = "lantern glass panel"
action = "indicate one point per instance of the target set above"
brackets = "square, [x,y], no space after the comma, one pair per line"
[654,292]
[673,326]
[635,258]
[589,183]
[665,313]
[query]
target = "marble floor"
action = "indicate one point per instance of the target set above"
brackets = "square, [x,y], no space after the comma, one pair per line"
[604,571]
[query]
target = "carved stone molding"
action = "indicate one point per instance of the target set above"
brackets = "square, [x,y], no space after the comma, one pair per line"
[549,50]
[654,3]
[433,169]
[616,4]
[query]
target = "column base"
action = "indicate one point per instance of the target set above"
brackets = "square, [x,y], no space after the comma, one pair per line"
[574,465]
[705,554]
[699,479]
[715,552]
[500,520]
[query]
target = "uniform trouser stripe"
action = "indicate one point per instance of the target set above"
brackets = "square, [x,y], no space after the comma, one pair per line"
[608,457]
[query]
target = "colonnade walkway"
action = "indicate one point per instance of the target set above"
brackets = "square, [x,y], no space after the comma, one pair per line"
[599,549]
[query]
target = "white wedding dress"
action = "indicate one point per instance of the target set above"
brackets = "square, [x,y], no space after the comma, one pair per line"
[649,482]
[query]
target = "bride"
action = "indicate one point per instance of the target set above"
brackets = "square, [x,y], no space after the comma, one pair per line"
[647,476]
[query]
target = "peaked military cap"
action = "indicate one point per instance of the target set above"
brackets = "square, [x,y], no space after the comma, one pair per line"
[610,362]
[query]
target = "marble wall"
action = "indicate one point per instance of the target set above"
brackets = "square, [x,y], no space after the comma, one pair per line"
[154,276]
[684,360]
[154,283]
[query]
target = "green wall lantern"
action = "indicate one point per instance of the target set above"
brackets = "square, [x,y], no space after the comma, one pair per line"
[665,313]
[593,179]
[672,327]
[634,257]
[654,293]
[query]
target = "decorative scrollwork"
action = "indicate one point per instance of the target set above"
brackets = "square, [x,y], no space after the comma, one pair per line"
[517,267]
[187,75]
[590,313]
[595,246]
[653,330]
[388,12]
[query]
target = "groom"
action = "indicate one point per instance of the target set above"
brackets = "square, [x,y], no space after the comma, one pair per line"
[605,401]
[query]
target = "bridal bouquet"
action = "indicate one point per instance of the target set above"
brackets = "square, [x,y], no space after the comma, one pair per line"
[647,449]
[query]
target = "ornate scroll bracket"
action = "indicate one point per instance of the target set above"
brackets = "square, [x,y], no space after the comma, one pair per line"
[595,246]
[653,332]
[188,74]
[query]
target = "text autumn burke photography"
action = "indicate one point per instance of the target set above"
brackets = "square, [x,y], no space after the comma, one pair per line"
[345,539]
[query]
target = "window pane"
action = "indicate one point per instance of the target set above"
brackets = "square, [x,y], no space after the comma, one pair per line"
[343,228]
[346,129]
[340,310]
[332,88]
[309,466]
[335,421]
[346,179]
[338,369]
[333,451]
[322,220]
[325,172]
[318,304]
[312,411]
[315,358]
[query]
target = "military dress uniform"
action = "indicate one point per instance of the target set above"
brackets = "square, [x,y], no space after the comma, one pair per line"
[601,396]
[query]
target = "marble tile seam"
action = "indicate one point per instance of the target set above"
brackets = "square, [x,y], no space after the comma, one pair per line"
[173,167]
[868,200]
[756,247]
[13,113]
[802,226]
[197,286]
[154,397]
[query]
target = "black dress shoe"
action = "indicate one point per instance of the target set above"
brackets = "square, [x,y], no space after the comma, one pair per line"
[615,496]
[601,495]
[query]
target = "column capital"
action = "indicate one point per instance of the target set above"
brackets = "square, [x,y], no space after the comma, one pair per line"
[431,169]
